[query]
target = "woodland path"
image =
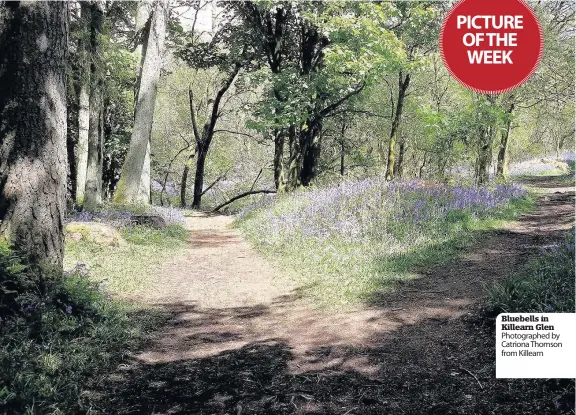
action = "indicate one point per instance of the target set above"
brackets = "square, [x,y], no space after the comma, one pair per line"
[242,341]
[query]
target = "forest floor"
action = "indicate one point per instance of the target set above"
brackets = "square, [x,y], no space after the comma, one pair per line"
[243,340]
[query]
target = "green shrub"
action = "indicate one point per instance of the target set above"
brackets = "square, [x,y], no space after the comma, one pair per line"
[546,285]
[58,336]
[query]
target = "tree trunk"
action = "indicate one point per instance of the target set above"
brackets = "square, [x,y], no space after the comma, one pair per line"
[93,188]
[199,176]
[310,146]
[33,41]
[502,165]
[83,104]
[279,159]
[342,149]
[422,166]
[403,84]
[485,157]
[399,166]
[184,181]
[295,162]
[134,184]
[71,141]
[342,154]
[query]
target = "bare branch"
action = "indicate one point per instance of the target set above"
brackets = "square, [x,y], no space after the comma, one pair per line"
[223,176]
[240,196]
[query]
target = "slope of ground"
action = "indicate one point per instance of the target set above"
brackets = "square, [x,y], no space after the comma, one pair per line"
[243,341]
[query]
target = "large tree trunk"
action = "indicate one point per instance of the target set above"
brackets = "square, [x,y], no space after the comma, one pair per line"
[403,84]
[134,184]
[33,41]
[83,104]
[93,187]
[502,165]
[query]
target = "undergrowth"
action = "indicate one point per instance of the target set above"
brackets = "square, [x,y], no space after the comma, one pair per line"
[127,267]
[59,335]
[545,285]
[354,241]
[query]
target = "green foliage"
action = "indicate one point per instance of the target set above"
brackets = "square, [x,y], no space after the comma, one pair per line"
[545,285]
[59,339]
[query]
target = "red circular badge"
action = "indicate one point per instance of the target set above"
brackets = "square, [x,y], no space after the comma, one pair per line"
[491,46]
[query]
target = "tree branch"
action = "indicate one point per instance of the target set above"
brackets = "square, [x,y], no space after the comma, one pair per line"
[336,104]
[240,196]
[223,176]
[193,115]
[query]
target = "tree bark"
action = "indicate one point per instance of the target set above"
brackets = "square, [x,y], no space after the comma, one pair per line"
[310,145]
[279,159]
[342,149]
[399,165]
[403,84]
[95,156]
[485,157]
[502,165]
[33,41]
[199,177]
[184,181]
[422,166]
[83,103]
[134,184]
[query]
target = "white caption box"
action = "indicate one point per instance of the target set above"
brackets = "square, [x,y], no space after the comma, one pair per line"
[536,345]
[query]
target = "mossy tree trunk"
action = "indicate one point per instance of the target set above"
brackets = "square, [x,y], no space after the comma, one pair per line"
[33,159]
[134,183]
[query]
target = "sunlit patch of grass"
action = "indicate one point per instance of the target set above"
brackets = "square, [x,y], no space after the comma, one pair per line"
[130,267]
[350,243]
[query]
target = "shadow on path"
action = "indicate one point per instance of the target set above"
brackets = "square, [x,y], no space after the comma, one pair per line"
[420,350]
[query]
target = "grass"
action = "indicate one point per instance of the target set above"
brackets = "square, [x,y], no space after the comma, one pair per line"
[59,337]
[62,335]
[545,285]
[129,267]
[354,242]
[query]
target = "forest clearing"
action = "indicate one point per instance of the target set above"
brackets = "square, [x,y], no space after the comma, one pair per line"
[274,207]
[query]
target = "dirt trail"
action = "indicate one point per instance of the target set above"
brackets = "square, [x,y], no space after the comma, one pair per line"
[218,269]
[243,342]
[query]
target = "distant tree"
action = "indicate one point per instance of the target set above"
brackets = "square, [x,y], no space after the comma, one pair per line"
[33,41]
